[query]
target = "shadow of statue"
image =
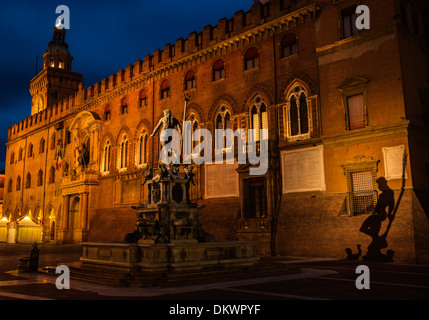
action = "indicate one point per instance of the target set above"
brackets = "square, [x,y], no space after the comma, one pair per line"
[372,225]
[354,256]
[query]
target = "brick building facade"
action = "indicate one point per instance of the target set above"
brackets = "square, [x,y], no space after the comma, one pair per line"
[342,106]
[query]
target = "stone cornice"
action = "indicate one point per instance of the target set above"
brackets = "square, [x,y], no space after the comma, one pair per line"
[369,134]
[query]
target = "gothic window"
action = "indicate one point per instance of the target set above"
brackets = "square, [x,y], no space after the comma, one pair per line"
[298,122]
[165,89]
[288,45]
[123,153]
[251,58]
[143,98]
[52,175]
[124,106]
[20,154]
[18,183]
[190,80]
[108,112]
[40,178]
[105,167]
[218,70]
[42,145]
[9,186]
[28,181]
[12,157]
[141,151]
[259,117]
[30,150]
[223,122]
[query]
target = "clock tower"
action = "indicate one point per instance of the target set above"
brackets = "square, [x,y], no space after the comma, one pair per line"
[56,81]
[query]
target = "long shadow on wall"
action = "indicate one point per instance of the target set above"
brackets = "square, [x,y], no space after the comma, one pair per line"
[385,208]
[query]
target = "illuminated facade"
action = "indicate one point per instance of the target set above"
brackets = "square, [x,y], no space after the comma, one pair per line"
[341,106]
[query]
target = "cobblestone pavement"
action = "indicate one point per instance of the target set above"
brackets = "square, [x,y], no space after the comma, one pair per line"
[317,279]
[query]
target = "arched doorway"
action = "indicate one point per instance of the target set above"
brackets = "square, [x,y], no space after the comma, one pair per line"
[74,215]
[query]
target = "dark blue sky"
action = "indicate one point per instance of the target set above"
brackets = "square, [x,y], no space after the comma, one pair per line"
[104,37]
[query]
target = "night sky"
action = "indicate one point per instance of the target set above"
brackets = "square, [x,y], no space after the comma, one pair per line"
[103,38]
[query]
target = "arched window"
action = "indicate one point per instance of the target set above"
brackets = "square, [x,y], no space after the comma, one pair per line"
[12,157]
[9,186]
[259,117]
[190,80]
[18,183]
[52,175]
[124,105]
[288,45]
[218,70]
[123,153]
[108,112]
[251,58]
[61,64]
[20,154]
[297,114]
[28,181]
[223,122]
[30,150]
[141,150]
[42,145]
[165,89]
[143,98]
[106,157]
[40,178]
[53,141]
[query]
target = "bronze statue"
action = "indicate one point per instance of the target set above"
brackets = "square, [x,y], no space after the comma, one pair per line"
[166,122]
[83,156]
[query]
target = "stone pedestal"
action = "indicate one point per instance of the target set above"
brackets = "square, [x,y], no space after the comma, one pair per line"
[168,256]
[168,234]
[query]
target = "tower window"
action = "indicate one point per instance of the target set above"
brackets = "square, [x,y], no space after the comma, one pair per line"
[52,63]
[190,80]
[251,58]
[40,178]
[218,70]
[107,113]
[143,98]
[52,175]
[165,89]
[61,64]
[28,181]
[124,106]
[30,150]
[288,45]
[18,183]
